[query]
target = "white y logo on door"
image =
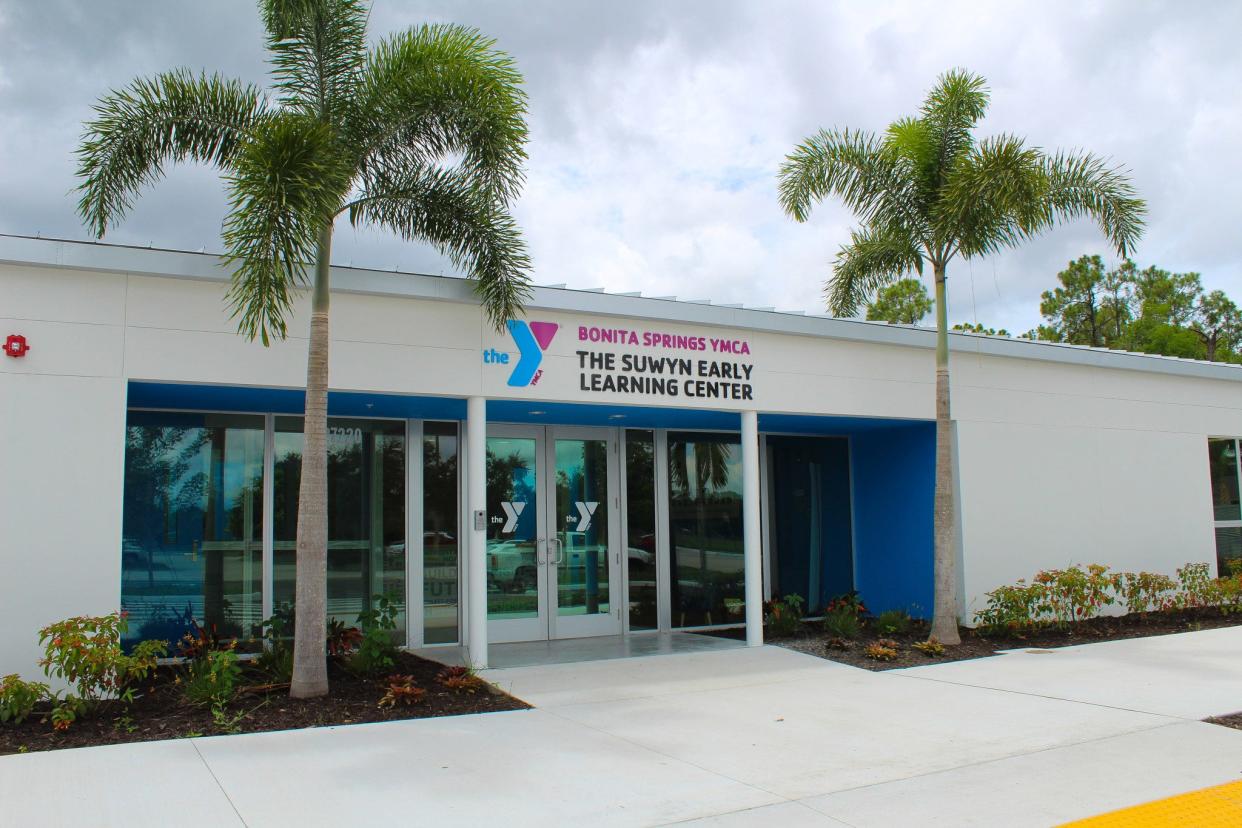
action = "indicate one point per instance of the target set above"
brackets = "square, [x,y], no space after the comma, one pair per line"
[513,511]
[585,511]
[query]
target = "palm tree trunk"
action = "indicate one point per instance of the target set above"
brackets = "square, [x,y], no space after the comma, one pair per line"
[944,616]
[310,666]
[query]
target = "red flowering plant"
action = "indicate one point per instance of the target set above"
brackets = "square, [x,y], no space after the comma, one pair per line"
[86,653]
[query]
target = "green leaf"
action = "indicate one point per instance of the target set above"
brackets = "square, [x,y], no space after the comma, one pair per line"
[175,116]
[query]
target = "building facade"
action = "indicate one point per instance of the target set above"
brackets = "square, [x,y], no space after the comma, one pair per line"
[608,465]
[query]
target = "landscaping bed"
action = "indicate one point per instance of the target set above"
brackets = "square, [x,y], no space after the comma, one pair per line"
[1057,608]
[160,711]
[814,641]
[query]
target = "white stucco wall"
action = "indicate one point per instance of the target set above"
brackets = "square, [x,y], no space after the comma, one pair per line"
[62,422]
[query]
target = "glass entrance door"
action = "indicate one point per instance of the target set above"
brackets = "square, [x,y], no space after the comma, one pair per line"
[553,535]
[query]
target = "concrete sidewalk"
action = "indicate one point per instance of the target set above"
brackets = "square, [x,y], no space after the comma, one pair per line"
[737,737]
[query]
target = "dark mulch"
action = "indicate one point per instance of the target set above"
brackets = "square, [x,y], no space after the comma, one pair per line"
[1233,720]
[162,713]
[812,640]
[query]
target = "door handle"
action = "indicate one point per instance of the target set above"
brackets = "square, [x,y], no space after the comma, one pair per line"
[560,551]
[541,557]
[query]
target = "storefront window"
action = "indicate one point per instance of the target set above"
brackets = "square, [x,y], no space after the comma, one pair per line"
[192,518]
[366,514]
[1223,462]
[707,571]
[641,527]
[440,548]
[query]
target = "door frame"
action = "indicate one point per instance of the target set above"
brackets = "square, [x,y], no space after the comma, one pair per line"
[609,623]
[548,624]
[535,628]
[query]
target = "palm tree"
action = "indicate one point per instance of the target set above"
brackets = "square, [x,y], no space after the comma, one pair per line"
[927,192]
[423,134]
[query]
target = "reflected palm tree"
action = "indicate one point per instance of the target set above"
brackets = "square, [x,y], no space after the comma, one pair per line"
[711,473]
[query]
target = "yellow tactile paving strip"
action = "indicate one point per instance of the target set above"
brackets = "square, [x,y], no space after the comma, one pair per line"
[1220,805]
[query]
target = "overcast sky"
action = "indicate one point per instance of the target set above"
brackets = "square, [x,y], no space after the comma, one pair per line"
[657,128]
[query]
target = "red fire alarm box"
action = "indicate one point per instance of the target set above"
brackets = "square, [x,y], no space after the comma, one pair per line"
[15,345]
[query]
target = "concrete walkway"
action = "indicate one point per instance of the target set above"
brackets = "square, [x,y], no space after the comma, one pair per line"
[736,737]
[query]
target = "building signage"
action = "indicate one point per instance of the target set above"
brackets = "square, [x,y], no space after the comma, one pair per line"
[643,363]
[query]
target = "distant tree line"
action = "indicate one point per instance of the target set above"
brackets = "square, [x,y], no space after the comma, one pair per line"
[1151,311]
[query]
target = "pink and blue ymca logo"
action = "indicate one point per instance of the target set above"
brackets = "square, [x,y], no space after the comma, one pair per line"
[532,339]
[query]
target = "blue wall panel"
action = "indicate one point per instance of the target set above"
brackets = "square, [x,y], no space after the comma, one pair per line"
[894,486]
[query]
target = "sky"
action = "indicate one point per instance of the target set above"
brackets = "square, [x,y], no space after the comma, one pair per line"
[657,128]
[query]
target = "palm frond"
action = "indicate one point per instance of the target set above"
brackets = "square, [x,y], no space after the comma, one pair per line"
[467,222]
[285,187]
[440,91]
[875,256]
[317,50]
[172,117]
[856,167]
[994,196]
[952,108]
[1081,184]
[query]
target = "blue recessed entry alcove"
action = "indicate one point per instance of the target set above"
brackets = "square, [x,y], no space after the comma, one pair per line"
[850,498]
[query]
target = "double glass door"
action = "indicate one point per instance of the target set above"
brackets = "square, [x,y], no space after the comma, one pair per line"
[553,534]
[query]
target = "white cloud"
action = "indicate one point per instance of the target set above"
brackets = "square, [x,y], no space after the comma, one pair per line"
[657,128]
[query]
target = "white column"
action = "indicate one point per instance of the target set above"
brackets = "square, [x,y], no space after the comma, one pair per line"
[752,544]
[476,501]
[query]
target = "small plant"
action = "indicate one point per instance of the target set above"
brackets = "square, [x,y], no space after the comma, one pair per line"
[930,648]
[893,622]
[201,640]
[124,723]
[213,679]
[1144,591]
[880,651]
[18,698]
[86,652]
[838,643]
[783,616]
[276,658]
[224,721]
[376,651]
[342,640]
[402,690]
[462,679]
[842,622]
[849,600]
[1194,586]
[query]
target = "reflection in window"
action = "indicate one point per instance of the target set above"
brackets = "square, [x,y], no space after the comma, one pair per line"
[1225,471]
[440,556]
[640,525]
[366,514]
[1223,457]
[191,547]
[707,582]
[512,526]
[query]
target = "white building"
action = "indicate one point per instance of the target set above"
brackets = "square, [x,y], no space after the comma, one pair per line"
[149,457]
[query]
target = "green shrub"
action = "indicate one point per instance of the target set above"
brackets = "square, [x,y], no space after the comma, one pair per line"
[893,622]
[19,698]
[376,651]
[1010,608]
[1194,582]
[1145,591]
[783,616]
[930,648]
[213,679]
[86,652]
[842,622]
[1074,594]
[276,658]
